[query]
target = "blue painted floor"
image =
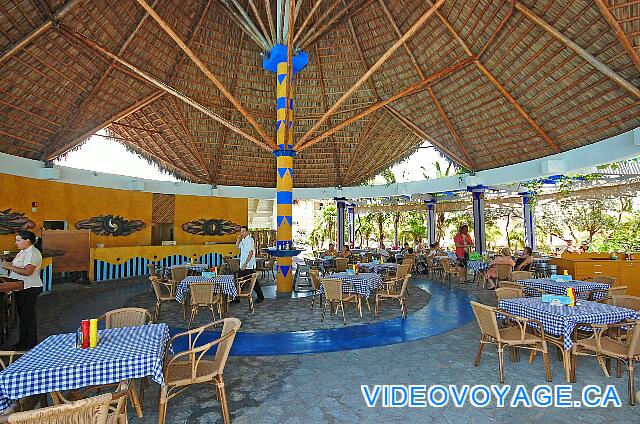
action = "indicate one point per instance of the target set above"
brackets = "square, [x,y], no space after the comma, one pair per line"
[448,309]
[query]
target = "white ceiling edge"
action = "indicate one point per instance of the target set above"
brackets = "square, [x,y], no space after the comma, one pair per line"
[614,149]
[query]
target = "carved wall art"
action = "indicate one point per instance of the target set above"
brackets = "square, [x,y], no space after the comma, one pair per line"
[105,225]
[12,222]
[210,227]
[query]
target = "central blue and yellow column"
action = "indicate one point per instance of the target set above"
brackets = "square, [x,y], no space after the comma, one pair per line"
[284,251]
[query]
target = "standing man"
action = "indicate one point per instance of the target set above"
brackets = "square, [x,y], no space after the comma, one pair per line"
[248,258]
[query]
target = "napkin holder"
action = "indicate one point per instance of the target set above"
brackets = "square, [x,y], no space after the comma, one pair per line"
[351,272]
[561,278]
[555,299]
[375,261]
[208,274]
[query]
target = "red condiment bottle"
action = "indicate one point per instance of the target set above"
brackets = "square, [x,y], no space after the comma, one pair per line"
[85,333]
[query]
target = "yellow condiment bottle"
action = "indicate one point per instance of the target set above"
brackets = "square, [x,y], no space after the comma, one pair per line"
[93,333]
[566,272]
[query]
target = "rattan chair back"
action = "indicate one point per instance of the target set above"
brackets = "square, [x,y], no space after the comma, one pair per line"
[487,321]
[8,357]
[510,284]
[605,280]
[341,264]
[521,275]
[332,289]
[403,269]
[625,301]
[508,293]
[315,279]
[503,272]
[202,294]
[125,317]
[179,274]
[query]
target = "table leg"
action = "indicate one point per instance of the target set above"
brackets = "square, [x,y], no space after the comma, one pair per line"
[135,401]
[566,361]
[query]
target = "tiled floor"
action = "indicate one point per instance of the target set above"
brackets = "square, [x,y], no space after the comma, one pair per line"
[325,387]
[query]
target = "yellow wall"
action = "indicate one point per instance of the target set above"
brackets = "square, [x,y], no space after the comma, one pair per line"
[190,208]
[70,202]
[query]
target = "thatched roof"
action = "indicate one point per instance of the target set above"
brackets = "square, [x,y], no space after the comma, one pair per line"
[495,82]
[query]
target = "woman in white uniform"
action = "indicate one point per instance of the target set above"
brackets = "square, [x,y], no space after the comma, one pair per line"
[27,286]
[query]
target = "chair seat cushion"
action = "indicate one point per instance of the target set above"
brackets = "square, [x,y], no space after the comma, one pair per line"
[181,370]
[610,347]
[512,335]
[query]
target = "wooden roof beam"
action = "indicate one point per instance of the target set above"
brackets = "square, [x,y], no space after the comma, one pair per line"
[38,31]
[264,29]
[81,106]
[306,20]
[336,159]
[632,89]
[620,34]
[451,128]
[166,28]
[410,125]
[409,90]
[410,32]
[164,87]
[421,75]
[120,115]
[541,132]
[324,28]
[272,30]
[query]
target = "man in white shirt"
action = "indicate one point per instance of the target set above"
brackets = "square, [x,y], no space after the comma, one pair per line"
[247,247]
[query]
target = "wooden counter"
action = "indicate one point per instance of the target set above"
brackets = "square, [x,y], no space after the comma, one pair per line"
[585,266]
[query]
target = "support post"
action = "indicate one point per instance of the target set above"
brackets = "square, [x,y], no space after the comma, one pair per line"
[341,203]
[351,213]
[431,220]
[529,221]
[277,62]
[478,219]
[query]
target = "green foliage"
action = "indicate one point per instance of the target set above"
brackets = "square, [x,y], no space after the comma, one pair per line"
[324,225]
[624,238]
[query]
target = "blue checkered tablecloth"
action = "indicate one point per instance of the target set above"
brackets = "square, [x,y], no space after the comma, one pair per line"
[477,265]
[363,283]
[57,365]
[561,320]
[377,268]
[226,281]
[560,289]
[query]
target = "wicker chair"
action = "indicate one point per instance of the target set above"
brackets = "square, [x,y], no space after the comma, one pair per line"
[8,357]
[526,290]
[603,344]
[244,286]
[188,367]
[315,285]
[390,291]
[508,293]
[503,272]
[521,275]
[511,336]
[448,270]
[125,317]
[608,293]
[625,301]
[178,274]
[153,271]
[266,267]
[203,296]
[333,294]
[166,294]
[341,264]
[604,280]
[103,409]
[432,267]
[233,265]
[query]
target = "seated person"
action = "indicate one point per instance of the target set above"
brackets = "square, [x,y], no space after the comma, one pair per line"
[418,246]
[523,263]
[584,247]
[345,252]
[491,275]
[384,253]
[435,250]
[570,247]
[405,249]
[331,251]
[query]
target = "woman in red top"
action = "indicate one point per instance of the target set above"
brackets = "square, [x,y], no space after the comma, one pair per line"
[463,242]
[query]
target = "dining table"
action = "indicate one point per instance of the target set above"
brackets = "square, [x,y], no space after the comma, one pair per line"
[560,321]
[364,283]
[56,364]
[559,288]
[225,282]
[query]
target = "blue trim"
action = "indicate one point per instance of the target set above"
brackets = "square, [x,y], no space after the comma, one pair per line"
[448,309]
[279,53]
[285,152]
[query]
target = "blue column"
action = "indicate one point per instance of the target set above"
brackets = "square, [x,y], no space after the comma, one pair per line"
[340,204]
[351,213]
[478,220]
[431,220]
[529,221]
